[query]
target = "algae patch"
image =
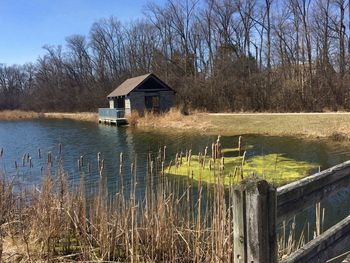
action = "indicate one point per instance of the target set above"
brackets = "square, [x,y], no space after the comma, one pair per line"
[274,168]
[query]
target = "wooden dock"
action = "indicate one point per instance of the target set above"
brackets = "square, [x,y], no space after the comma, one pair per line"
[112,116]
[259,207]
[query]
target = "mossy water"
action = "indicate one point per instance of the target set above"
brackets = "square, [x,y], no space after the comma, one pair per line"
[275,168]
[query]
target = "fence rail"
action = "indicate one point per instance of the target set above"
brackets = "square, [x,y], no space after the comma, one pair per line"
[295,197]
[259,207]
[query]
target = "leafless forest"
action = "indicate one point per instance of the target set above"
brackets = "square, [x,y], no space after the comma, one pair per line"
[219,55]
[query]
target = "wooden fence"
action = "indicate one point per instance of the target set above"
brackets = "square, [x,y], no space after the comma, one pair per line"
[259,207]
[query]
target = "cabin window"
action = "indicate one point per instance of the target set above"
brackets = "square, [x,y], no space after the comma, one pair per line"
[152,103]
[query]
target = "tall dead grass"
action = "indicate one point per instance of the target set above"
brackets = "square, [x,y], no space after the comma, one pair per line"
[174,220]
[21,115]
[18,114]
[171,119]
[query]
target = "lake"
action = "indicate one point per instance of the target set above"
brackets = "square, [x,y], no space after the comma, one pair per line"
[88,139]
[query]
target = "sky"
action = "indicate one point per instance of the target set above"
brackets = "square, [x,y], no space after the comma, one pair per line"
[27,25]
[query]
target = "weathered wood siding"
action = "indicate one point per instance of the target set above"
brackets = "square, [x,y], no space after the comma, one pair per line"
[137,99]
[166,100]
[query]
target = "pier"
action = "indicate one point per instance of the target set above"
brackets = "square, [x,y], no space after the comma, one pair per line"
[113,116]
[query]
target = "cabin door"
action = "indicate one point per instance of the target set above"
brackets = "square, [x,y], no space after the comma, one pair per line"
[120,103]
[152,103]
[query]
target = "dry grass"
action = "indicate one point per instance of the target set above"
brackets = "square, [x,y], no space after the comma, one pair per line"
[79,116]
[134,118]
[172,119]
[22,115]
[333,125]
[55,224]
[19,115]
[173,221]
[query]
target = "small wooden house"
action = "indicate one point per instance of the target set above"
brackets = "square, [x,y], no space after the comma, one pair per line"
[142,93]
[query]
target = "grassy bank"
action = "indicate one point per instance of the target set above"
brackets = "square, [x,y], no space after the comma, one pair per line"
[26,115]
[334,125]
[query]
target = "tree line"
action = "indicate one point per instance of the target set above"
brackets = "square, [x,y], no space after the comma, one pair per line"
[219,55]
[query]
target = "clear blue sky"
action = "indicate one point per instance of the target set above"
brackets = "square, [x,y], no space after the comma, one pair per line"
[27,25]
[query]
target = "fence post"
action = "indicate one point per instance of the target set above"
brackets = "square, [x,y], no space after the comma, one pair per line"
[254,222]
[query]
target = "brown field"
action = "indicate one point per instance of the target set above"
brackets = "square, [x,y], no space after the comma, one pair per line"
[335,125]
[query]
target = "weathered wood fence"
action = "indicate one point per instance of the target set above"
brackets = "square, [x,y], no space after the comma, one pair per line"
[259,207]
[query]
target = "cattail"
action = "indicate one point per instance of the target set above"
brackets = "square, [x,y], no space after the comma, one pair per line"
[99,160]
[102,167]
[89,167]
[132,168]
[218,148]
[151,167]
[1,152]
[39,153]
[222,163]
[213,150]
[28,156]
[164,152]
[102,164]
[160,153]
[49,158]
[82,161]
[176,157]
[16,166]
[243,158]
[239,145]
[30,162]
[59,149]
[121,159]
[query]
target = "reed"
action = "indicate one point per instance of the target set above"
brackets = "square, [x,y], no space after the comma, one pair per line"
[22,115]
[174,220]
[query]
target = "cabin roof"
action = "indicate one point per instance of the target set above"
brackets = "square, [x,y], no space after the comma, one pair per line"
[130,84]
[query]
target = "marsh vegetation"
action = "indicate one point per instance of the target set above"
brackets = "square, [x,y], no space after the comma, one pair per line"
[174,219]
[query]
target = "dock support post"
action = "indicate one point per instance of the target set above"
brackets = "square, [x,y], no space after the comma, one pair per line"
[254,222]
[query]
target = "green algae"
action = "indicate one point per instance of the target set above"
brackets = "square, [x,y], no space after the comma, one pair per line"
[275,168]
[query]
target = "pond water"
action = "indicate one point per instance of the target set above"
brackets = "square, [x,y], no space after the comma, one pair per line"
[87,139]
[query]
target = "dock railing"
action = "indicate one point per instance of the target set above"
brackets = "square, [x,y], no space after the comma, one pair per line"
[259,207]
[111,114]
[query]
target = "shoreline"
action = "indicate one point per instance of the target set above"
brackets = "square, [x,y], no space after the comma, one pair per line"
[333,125]
[11,115]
